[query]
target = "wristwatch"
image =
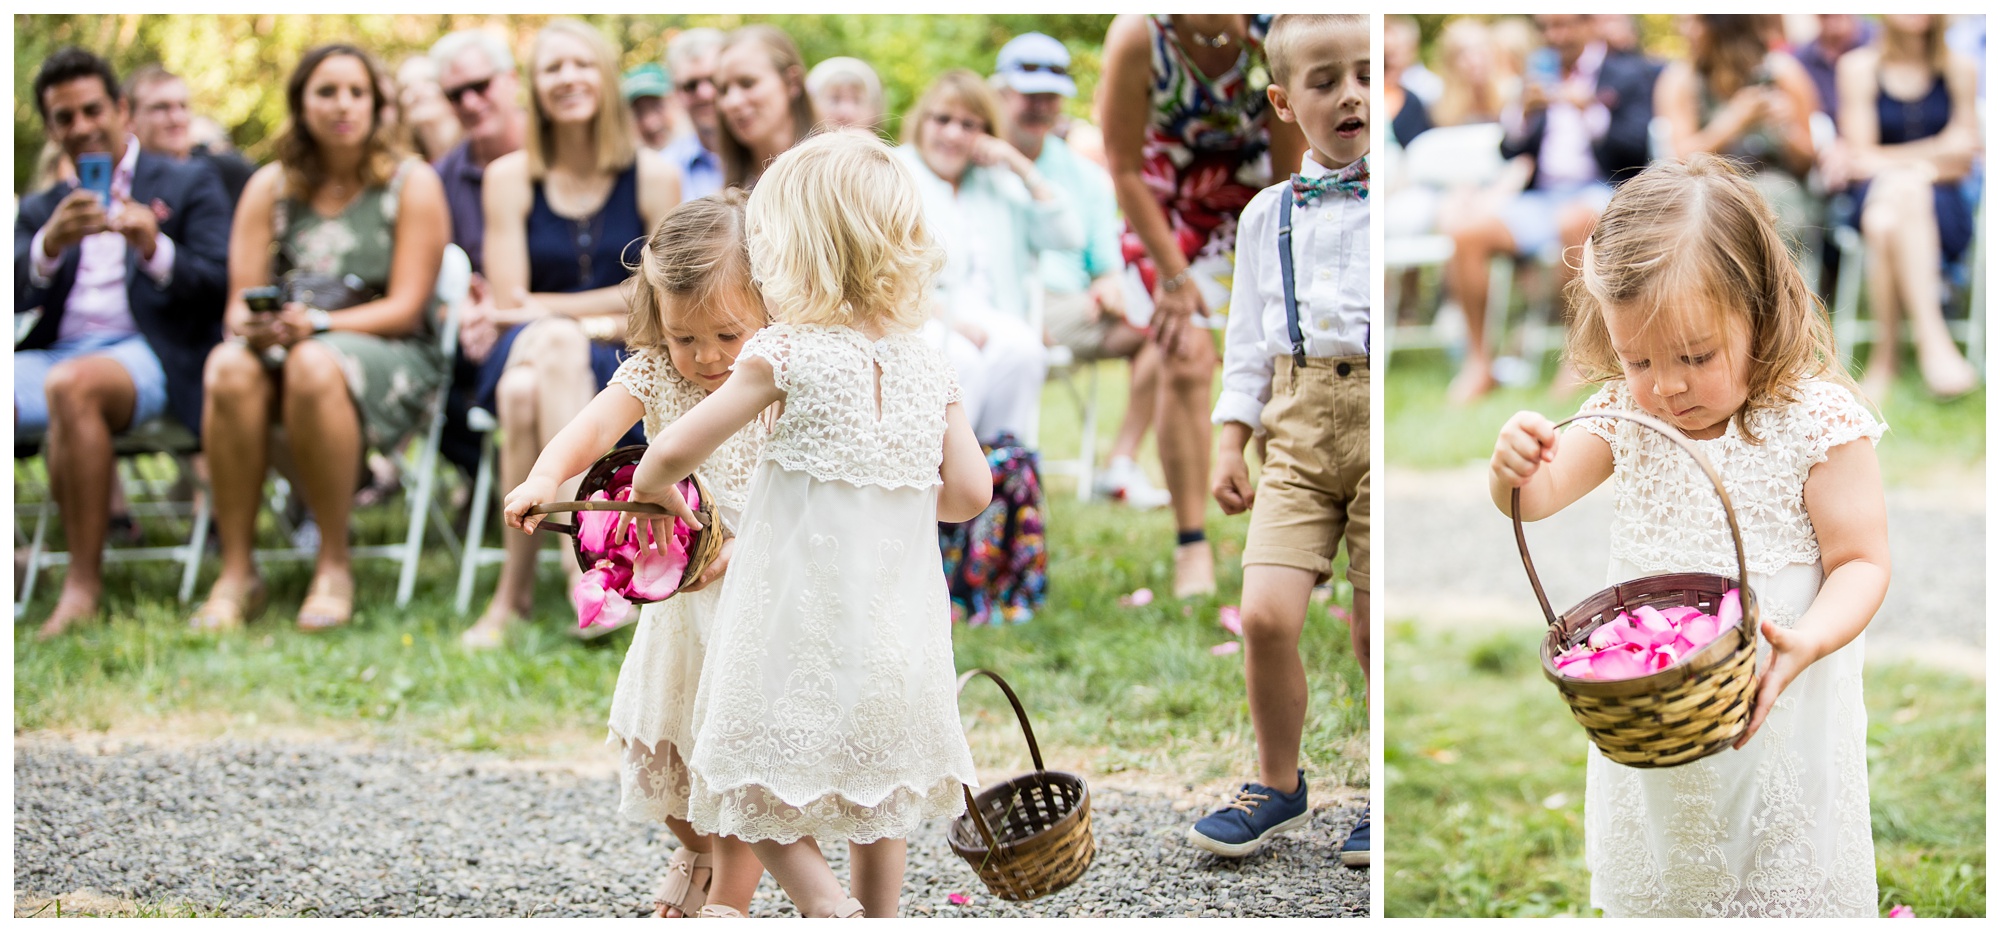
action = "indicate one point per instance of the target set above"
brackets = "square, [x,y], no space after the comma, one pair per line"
[320,320]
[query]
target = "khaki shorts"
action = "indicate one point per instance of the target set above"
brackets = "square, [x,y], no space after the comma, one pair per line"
[1314,488]
[1072,320]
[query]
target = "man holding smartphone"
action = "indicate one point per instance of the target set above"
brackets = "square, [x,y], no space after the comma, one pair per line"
[130,280]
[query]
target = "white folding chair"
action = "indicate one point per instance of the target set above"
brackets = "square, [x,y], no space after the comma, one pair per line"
[1442,160]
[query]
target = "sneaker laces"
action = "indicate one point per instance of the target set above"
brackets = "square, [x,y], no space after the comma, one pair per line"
[1245,800]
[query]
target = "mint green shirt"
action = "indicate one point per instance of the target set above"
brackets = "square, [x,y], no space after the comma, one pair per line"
[1088,190]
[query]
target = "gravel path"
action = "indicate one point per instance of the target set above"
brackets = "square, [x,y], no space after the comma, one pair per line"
[1451,559]
[269,828]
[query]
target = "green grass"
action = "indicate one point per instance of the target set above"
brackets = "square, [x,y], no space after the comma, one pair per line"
[1485,775]
[1925,439]
[1109,689]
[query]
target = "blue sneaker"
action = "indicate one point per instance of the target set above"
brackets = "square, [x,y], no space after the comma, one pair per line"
[1354,851]
[1250,818]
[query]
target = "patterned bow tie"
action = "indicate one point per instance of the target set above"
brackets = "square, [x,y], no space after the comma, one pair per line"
[1352,180]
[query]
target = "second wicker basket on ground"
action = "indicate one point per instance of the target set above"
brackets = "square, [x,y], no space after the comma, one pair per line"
[1030,836]
[1690,710]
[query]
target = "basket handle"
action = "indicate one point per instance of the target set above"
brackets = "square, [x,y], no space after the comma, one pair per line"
[1728,510]
[550,508]
[1034,750]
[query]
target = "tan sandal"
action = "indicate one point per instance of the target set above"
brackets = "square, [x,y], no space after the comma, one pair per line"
[849,908]
[678,890]
[718,911]
[229,611]
[324,610]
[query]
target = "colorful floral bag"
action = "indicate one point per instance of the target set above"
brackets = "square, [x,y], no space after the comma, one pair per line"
[997,564]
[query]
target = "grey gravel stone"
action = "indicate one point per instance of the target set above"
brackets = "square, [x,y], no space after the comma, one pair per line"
[268,828]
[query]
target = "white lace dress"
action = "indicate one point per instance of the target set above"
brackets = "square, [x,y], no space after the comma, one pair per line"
[1779,828]
[652,707]
[828,707]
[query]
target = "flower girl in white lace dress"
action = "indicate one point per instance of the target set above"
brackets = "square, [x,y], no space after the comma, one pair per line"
[827,707]
[693,308]
[1689,307]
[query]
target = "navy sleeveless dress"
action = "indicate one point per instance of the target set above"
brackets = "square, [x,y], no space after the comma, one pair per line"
[568,255]
[1902,121]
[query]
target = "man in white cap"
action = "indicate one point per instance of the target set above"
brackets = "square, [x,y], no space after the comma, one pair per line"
[1084,306]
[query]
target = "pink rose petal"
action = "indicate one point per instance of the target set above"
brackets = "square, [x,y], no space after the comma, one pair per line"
[655,575]
[1700,630]
[1139,597]
[958,899]
[1679,614]
[1649,620]
[1730,613]
[1231,619]
[593,528]
[1226,648]
[1902,912]
[597,599]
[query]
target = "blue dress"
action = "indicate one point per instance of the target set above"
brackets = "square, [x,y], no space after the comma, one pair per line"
[1900,121]
[568,255]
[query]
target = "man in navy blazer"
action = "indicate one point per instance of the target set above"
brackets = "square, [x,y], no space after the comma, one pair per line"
[1582,121]
[130,296]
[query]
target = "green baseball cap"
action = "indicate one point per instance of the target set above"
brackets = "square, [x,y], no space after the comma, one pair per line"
[647,80]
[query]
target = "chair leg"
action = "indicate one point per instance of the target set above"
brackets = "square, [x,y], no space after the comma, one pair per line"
[27,593]
[197,547]
[420,512]
[1847,332]
[475,525]
[1086,471]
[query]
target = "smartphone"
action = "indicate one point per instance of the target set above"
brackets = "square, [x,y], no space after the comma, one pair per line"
[1545,67]
[93,173]
[265,300]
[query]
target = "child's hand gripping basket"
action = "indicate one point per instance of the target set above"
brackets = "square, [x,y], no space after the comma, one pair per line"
[1030,836]
[610,473]
[1689,710]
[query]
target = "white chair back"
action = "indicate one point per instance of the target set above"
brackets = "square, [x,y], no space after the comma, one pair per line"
[1450,156]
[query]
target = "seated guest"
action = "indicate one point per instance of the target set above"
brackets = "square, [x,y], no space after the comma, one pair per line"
[565,219]
[645,90]
[760,86]
[131,300]
[994,213]
[212,143]
[1583,116]
[476,78]
[352,230]
[1084,291]
[846,92]
[165,126]
[425,112]
[691,66]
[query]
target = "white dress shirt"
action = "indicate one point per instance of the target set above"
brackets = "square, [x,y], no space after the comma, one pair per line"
[1329,278]
[98,304]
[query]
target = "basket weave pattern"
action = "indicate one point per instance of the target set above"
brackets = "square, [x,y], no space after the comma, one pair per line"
[702,548]
[1029,836]
[1688,711]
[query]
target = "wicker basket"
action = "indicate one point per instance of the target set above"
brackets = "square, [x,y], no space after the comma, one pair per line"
[1030,836]
[1688,711]
[702,548]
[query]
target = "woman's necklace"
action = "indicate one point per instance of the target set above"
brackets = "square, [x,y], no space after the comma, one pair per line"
[1216,41]
[588,231]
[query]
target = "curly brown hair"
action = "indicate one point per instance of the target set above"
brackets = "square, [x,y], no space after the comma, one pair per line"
[1694,236]
[299,153]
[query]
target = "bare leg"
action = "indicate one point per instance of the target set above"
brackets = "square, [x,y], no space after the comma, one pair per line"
[1917,257]
[802,872]
[737,872]
[1474,247]
[239,396]
[1274,612]
[1141,403]
[878,875]
[520,443]
[90,398]
[323,430]
[1184,441]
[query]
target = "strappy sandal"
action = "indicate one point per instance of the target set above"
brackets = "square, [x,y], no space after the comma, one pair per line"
[229,611]
[677,888]
[323,610]
[849,908]
[718,911]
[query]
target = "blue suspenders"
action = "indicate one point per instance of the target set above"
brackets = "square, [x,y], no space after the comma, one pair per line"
[1285,272]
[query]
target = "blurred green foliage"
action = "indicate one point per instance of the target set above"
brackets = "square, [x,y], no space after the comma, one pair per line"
[236,64]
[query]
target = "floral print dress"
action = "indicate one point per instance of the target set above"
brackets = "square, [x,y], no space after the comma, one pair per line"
[1207,152]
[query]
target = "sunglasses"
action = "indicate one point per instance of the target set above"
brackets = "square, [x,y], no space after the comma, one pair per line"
[942,120]
[1032,67]
[478,87]
[690,85]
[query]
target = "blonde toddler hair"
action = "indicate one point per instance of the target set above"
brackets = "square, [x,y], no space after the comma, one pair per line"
[1693,236]
[837,236]
[696,254]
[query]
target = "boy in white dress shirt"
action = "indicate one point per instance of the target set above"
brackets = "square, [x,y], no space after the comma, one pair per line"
[1295,369]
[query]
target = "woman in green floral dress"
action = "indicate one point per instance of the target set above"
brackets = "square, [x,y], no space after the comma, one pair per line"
[342,203]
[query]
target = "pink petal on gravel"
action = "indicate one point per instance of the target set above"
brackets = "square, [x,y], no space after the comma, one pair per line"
[1226,648]
[1231,619]
[958,899]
